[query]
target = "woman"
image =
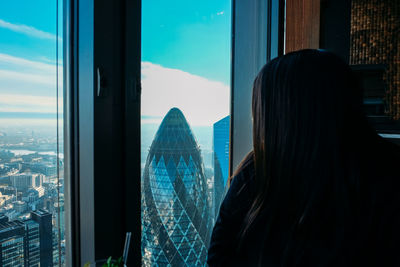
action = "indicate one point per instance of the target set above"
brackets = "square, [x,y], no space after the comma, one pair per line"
[320,187]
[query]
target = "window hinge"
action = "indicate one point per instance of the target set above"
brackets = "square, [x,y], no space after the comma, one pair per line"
[134,87]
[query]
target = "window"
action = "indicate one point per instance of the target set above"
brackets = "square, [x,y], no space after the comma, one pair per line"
[183,131]
[31,139]
[185,127]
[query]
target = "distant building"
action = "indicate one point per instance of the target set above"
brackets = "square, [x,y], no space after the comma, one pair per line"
[176,216]
[49,169]
[40,190]
[20,206]
[55,247]
[221,160]
[8,190]
[44,219]
[31,196]
[23,181]
[59,207]
[6,199]
[15,165]
[37,181]
[3,218]
[48,204]
[46,168]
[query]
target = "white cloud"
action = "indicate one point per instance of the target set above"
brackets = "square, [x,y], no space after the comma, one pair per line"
[28,86]
[18,73]
[19,77]
[29,103]
[4,58]
[220,13]
[28,30]
[202,101]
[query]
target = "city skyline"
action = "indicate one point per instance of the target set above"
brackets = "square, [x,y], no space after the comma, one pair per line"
[29,182]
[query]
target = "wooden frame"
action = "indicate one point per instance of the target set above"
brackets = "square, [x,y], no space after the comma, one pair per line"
[302,24]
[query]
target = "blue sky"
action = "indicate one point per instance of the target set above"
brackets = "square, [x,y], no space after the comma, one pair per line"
[186,59]
[193,36]
[182,40]
[40,15]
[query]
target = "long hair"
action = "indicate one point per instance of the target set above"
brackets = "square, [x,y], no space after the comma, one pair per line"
[309,130]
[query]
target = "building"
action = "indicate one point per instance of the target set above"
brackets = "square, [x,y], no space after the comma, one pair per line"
[20,242]
[220,160]
[20,206]
[23,181]
[32,248]
[12,244]
[59,218]
[55,247]
[44,219]
[3,218]
[176,216]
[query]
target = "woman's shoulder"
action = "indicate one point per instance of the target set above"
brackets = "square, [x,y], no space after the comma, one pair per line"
[244,176]
[241,189]
[231,214]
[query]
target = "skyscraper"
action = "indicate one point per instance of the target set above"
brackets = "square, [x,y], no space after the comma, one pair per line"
[32,247]
[19,243]
[12,243]
[175,211]
[221,160]
[43,218]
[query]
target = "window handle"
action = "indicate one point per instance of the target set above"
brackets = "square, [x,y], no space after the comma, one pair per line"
[101,84]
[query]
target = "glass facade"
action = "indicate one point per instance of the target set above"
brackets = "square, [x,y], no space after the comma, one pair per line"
[33,243]
[12,236]
[26,243]
[176,218]
[221,160]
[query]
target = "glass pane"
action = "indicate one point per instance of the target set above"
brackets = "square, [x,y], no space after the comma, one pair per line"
[185,126]
[31,141]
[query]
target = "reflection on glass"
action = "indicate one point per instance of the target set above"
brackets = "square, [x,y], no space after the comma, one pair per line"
[221,160]
[31,141]
[185,127]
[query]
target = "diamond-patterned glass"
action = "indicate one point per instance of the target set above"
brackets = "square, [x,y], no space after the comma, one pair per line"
[176,221]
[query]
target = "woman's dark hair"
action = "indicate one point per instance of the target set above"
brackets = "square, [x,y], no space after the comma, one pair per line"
[309,132]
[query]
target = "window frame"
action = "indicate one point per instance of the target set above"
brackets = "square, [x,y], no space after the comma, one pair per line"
[252,47]
[102,129]
[89,114]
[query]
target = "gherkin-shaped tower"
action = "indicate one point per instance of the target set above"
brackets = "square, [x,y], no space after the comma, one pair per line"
[175,212]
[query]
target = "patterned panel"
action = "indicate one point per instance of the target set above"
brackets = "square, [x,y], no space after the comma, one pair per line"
[375,39]
[176,223]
